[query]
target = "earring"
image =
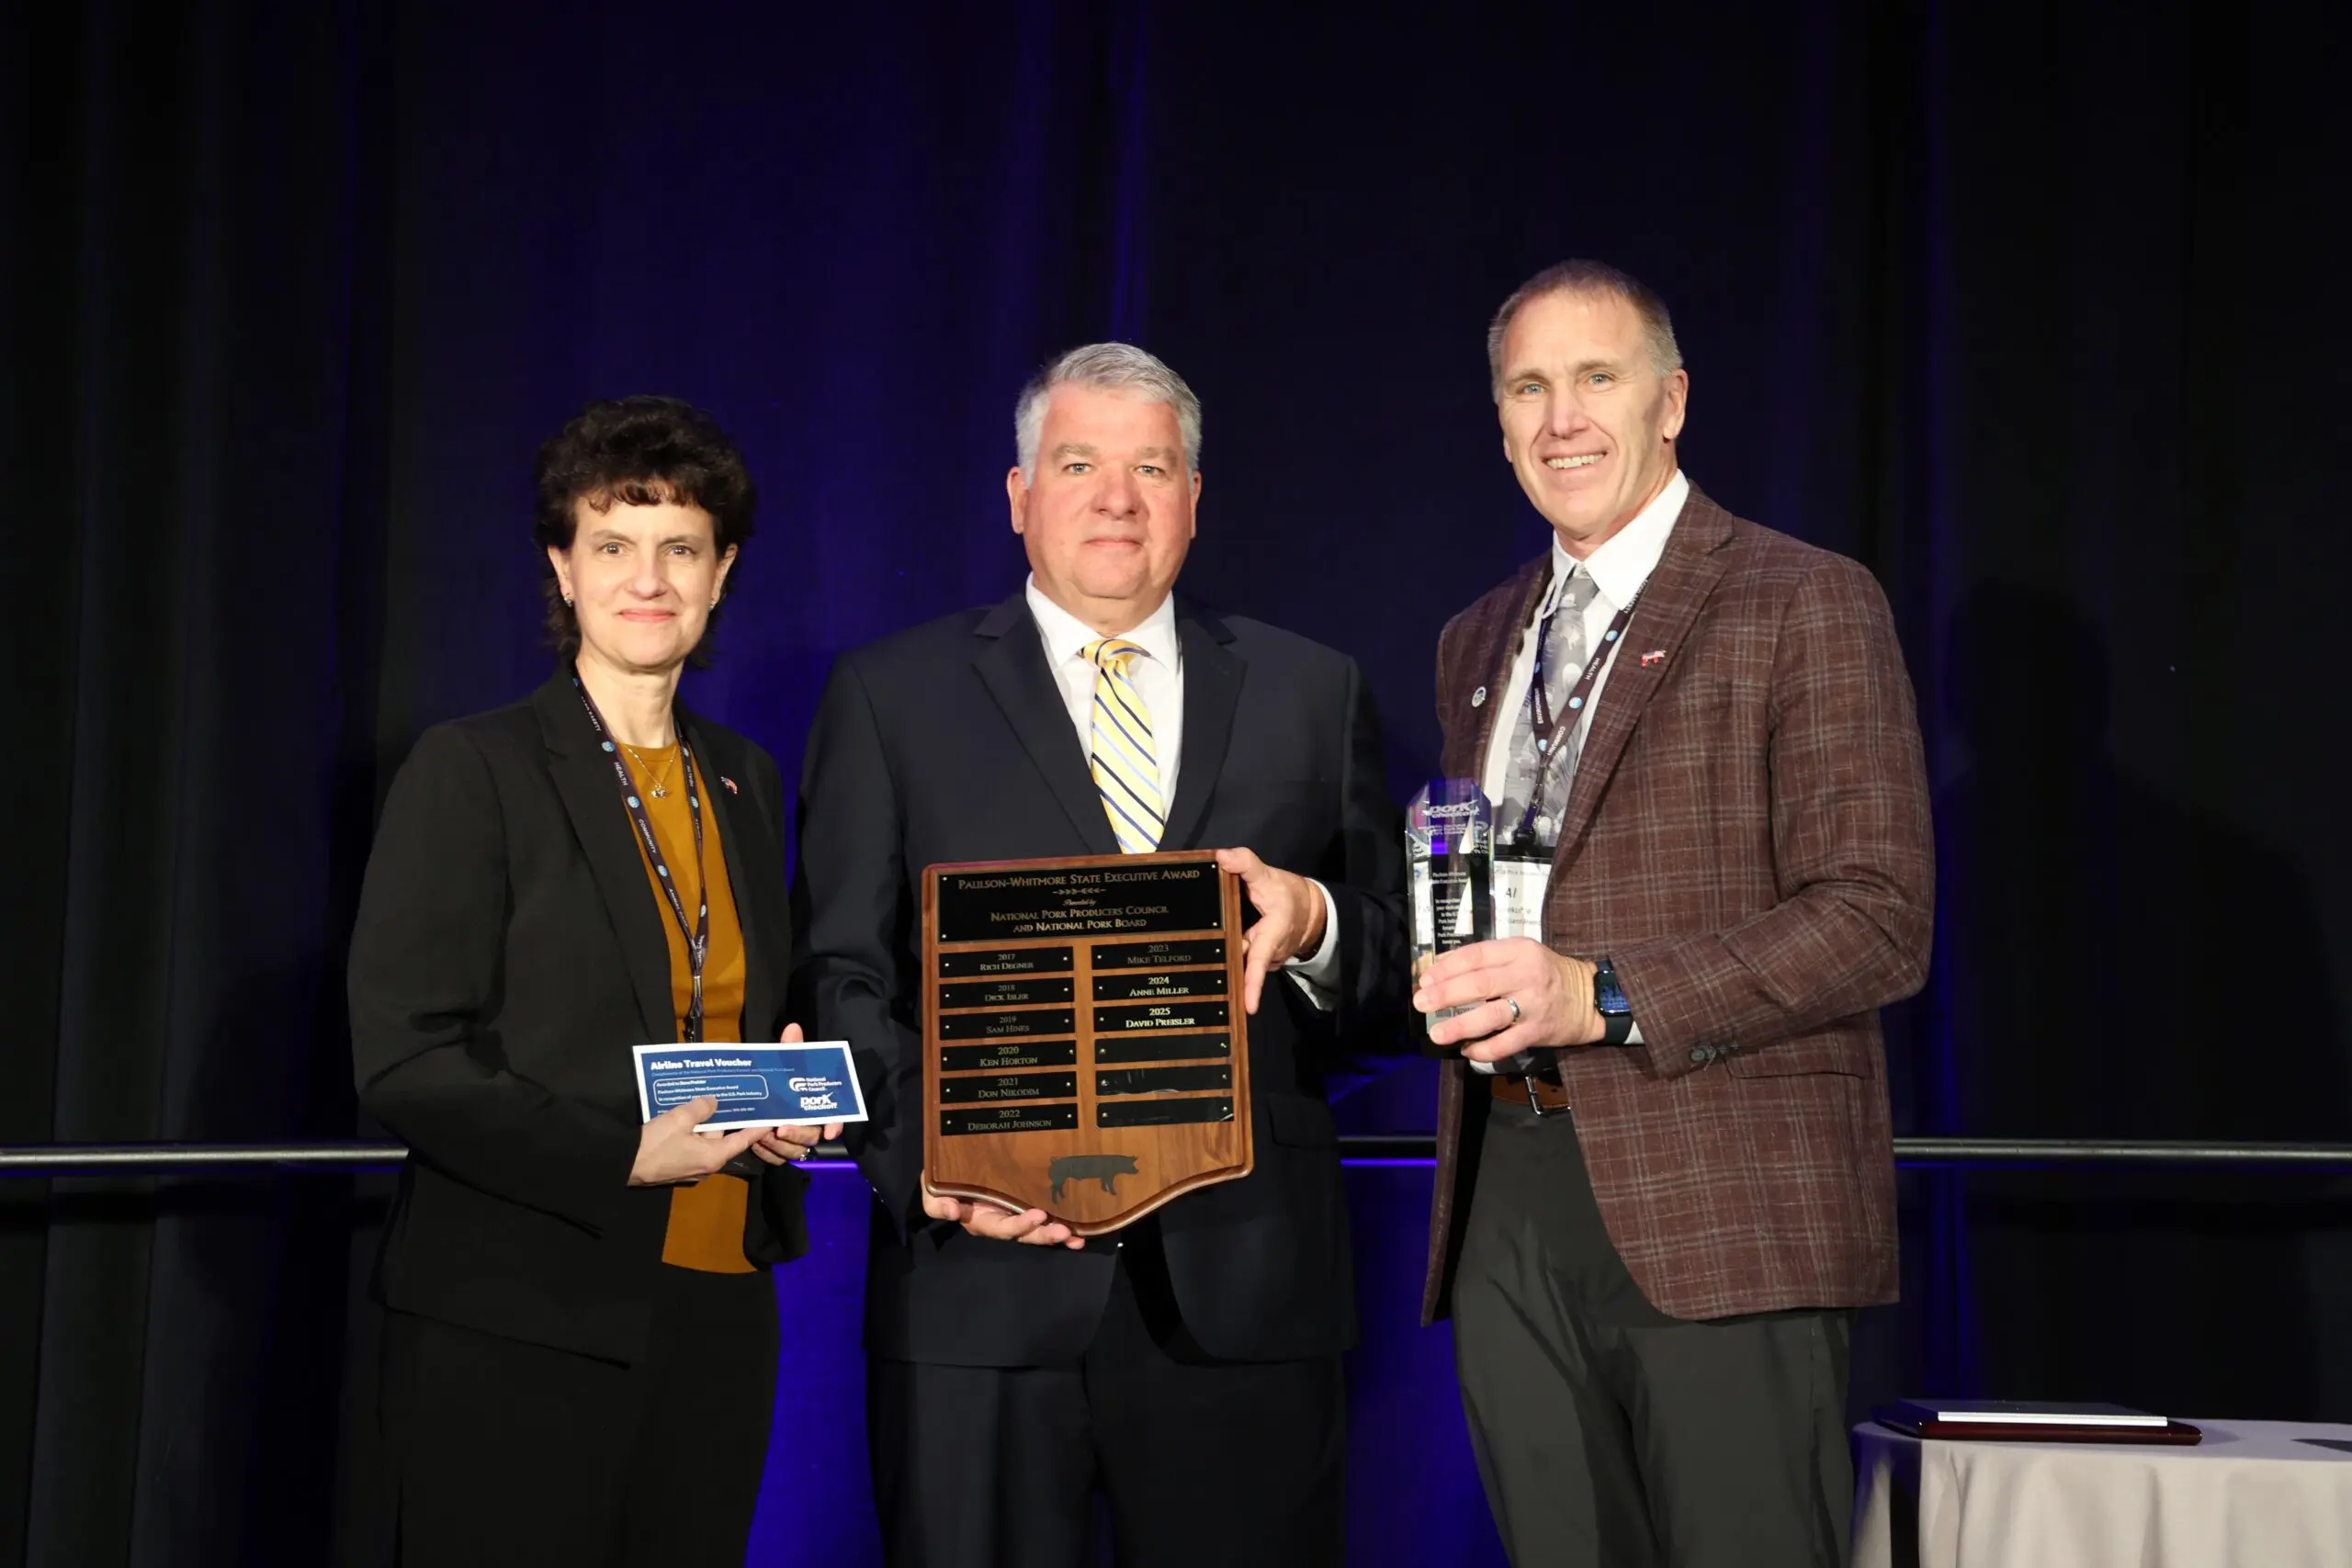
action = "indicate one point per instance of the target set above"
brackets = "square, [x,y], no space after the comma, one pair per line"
[567,601]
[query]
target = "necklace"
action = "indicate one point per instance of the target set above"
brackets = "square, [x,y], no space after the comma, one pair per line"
[659,791]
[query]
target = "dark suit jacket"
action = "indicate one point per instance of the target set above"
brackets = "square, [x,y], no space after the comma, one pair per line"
[1747,838]
[509,952]
[951,742]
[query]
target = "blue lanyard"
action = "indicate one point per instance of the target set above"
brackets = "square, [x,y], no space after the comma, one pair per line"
[698,934]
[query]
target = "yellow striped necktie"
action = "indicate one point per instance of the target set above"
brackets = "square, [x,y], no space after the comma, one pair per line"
[1127,770]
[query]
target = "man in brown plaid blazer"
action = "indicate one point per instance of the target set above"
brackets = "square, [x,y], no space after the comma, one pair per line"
[1664,1177]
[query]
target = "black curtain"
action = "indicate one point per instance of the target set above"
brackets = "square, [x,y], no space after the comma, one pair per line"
[2028,306]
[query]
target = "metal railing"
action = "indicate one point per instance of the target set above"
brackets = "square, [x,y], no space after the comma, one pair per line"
[1981,1154]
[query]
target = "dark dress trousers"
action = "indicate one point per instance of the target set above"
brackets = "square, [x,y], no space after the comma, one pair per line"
[507,954]
[951,742]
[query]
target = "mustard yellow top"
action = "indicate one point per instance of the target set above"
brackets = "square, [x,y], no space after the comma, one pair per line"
[706,1230]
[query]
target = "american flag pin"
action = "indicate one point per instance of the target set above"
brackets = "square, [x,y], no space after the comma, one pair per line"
[1655,656]
[731,783]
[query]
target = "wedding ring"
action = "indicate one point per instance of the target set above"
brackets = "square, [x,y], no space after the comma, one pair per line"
[1513,1005]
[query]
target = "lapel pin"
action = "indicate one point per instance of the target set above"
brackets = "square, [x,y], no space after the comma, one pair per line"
[729,783]
[1478,698]
[1655,656]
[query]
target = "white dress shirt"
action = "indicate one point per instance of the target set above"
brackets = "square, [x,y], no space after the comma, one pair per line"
[1157,676]
[1618,567]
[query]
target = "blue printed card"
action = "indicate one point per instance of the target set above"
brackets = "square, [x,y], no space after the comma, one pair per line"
[756,1085]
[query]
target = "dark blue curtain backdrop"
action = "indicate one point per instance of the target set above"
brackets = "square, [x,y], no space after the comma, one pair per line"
[2025,304]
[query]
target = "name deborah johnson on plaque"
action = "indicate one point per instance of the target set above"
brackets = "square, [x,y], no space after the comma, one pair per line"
[1083,1039]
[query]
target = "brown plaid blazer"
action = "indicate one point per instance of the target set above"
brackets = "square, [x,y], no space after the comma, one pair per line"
[1748,837]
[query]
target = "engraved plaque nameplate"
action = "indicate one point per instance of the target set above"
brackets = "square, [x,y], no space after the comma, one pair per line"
[1161,1080]
[1110,1048]
[1151,985]
[1155,954]
[1182,1015]
[1003,1025]
[1005,993]
[1005,961]
[1162,1113]
[1007,1119]
[1009,1054]
[997,1088]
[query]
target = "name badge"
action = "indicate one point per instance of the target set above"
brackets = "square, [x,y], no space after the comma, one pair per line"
[756,1085]
[1520,881]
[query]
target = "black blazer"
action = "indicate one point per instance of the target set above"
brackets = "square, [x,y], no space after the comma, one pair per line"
[509,951]
[951,742]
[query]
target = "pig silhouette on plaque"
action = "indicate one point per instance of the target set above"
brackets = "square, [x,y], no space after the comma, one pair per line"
[1104,1168]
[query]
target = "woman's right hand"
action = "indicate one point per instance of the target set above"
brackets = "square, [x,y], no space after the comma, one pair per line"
[670,1150]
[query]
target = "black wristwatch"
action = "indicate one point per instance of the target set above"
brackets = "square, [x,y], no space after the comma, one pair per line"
[1609,1000]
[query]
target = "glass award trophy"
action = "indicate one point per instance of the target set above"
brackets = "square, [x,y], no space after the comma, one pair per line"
[1449,870]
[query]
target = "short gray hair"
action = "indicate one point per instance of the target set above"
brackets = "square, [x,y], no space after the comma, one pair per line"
[1113,366]
[1579,277]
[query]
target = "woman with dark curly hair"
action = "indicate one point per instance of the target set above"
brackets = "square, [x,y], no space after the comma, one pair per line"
[581,1334]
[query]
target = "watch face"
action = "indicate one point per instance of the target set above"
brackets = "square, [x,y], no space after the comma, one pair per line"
[1608,996]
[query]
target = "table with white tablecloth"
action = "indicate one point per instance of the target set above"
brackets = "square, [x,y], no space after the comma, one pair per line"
[2253,1494]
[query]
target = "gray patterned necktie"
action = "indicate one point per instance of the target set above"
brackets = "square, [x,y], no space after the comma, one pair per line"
[1564,658]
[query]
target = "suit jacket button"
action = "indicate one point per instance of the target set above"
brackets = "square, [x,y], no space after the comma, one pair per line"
[1701,1054]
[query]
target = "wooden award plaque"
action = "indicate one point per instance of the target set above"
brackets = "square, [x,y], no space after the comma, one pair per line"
[1083,1038]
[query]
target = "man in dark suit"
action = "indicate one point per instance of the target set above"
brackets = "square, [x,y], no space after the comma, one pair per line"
[1664,1177]
[1190,1366]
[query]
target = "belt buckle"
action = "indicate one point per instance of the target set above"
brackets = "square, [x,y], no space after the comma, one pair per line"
[1532,1081]
[1545,1070]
